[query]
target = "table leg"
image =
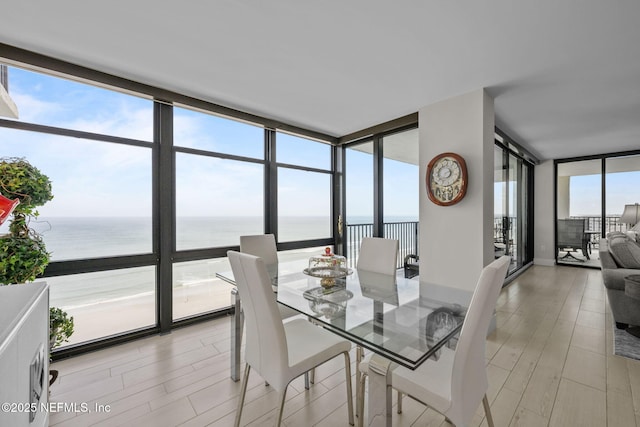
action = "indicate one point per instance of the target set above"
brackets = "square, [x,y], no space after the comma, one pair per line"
[236,334]
[380,410]
[359,357]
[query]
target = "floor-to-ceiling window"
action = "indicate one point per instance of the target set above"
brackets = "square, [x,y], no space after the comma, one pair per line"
[591,197]
[401,183]
[304,188]
[96,146]
[381,191]
[359,194]
[150,194]
[219,195]
[512,227]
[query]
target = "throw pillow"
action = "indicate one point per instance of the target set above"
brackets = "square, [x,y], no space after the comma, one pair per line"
[625,252]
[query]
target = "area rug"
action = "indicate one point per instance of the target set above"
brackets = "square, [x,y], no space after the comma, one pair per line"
[625,344]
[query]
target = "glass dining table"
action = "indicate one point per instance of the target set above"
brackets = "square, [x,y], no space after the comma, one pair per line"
[400,320]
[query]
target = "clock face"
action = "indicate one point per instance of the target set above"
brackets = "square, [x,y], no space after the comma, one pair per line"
[446,179]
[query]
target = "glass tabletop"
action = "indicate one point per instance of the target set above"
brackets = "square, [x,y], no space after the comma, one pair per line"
[386,314]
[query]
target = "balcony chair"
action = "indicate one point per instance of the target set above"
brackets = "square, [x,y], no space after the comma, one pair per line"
[456,383]
[411,266]
[280,352]
[571,237]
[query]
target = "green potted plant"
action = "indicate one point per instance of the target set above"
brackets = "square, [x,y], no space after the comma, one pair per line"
[23,255]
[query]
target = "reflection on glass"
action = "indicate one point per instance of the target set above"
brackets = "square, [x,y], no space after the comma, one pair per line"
[196,289]
[304,205]
[441,322]
[330,303]
[217,201]
[107,302]
[379,287]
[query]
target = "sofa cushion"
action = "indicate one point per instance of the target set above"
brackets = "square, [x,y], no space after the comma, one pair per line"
[625,252]
[612,234]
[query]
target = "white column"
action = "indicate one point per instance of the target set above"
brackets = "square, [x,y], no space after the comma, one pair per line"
[543,227]
[456,242]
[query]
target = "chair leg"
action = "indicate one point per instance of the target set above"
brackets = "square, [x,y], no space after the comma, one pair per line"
[359,357]
[360,397]
[309,378]
[399,402]
[487,411]
[347,370]
[281,407]
[243,391]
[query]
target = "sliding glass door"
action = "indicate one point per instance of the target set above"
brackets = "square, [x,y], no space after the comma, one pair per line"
[512,207]
[592,195]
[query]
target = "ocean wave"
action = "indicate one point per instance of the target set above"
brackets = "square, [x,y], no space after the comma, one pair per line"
[108,300]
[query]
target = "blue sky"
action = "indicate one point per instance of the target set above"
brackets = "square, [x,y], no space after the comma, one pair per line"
[105,179]
[99,179]
[585,195]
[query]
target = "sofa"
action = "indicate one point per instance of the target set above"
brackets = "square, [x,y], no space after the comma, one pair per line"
[619,258]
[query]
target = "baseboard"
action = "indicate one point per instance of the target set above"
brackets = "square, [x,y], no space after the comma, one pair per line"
[545,262]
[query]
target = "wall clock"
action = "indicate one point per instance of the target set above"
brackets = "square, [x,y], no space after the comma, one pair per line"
[446,179]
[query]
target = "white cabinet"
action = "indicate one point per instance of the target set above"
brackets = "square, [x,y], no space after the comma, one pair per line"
[24,354]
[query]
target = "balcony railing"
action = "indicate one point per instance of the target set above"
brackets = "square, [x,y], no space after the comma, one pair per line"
[406,233]
[611,223]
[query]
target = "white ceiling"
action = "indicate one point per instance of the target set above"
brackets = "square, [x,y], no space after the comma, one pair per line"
[565,75]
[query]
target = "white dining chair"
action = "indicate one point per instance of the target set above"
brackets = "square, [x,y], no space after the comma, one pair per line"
[260,245]
[280,352]
[456,383]
[378,255]
[264,246]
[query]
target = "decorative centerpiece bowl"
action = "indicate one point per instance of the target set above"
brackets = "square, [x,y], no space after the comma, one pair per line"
[328,267]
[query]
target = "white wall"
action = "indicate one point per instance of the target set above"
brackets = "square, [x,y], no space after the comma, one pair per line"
[456,242]
[543,228]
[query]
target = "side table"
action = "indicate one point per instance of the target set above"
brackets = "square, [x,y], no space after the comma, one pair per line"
[632,290]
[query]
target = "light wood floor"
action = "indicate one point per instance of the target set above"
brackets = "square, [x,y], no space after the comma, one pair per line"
[550,363]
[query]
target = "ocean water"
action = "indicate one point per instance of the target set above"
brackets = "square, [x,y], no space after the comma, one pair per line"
[69,238]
